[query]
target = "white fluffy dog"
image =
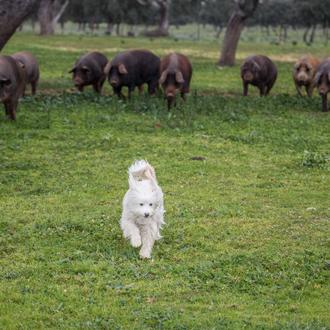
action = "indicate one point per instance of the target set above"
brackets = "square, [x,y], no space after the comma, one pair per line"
[143,208]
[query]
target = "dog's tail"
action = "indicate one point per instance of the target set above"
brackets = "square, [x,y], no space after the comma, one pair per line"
[141,170]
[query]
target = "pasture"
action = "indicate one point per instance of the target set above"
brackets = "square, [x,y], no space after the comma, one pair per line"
[246,245]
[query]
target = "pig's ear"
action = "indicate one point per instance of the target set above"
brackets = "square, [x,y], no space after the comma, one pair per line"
[297,65]
[4,80]
[107,68]
[179,77]
[163,77]
[85,68]
[317,77]
[256,65]
[21,64]
[73,69]
[122,69]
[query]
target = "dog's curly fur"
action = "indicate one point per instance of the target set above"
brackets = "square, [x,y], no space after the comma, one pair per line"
[143,208]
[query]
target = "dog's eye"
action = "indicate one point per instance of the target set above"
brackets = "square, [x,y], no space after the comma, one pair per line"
[150,204]
[141,204]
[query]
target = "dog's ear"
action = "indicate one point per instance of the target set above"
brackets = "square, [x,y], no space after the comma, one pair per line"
[150,173]
[131,182]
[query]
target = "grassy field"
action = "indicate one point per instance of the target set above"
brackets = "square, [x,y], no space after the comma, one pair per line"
[246,245]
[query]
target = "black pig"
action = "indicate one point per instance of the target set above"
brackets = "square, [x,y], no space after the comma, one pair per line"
[322,82]
[12,84]
[259,71]
[89,70]
[133,68]
[31,67]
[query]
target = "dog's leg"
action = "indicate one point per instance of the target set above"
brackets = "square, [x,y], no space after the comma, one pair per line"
[131,232]
[148,235]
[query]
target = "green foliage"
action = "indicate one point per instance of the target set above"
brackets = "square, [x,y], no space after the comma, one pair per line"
[315,159]
[246,245]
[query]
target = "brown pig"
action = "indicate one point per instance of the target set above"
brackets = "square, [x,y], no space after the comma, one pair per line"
[12,84]
[304,73]
[259,71]
[89,70]
[31,67]
[322,82]
[176,72]
[133,68]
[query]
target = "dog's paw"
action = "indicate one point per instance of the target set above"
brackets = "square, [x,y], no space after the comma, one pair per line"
[136,241]
[145,254]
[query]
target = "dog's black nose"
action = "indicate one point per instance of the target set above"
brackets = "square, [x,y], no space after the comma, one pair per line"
[146,215]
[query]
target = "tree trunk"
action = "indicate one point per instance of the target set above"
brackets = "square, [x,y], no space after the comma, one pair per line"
[47,15]
[245,9]
[108,30]
[12,15]
[312,36]
[233,33]
[164,18]
[218,32]
[60,13]
[118,29]
[305,35]
[164,8]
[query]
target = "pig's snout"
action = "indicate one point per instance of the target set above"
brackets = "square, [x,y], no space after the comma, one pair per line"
[114,82]
[248,76]
[170,96]
[323,90]
[302,78]
[78,81]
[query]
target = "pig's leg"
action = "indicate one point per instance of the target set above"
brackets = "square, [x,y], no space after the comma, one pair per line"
[102,80]
[97,87]
[183,95]
[33,87]
[6,108]
[184,91]
[262,90]
[11,109]
[169,104]
[309,90]
[152,86]
[269,87]
[141,89]
[267,90]
[130,90]
[245,89]
[80,88]
[117,91]
[298,88]
[325,102]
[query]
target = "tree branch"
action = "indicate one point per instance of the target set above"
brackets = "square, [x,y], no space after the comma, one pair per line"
[60,13]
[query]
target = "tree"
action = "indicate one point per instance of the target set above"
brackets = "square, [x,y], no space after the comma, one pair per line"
[214,12]
[12,15]
[49,13]
[244,9]
[163,7]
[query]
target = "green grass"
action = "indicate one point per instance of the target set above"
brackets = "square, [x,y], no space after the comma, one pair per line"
[246,243]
